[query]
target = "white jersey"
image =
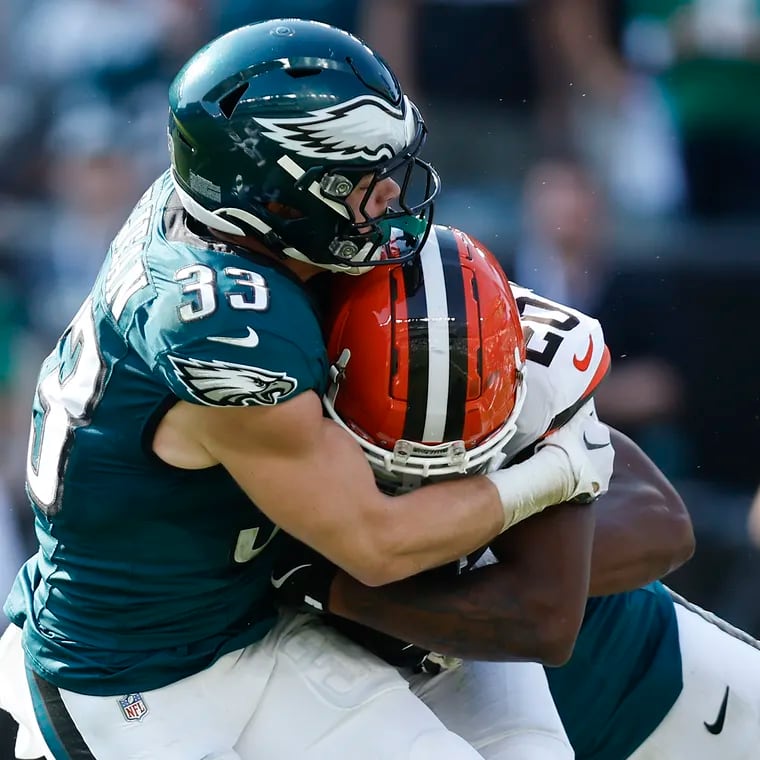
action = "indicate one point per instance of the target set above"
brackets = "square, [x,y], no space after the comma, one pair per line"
[566,360]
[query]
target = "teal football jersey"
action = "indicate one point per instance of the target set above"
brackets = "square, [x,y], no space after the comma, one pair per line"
[624,675]
[147,573]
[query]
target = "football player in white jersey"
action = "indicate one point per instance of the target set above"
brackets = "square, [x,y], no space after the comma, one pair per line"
[434,383]
[651,676]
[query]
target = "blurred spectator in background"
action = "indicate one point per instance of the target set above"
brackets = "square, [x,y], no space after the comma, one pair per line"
[118,52]
[57,52]
[466,50]
[562,249]
[663,94]
[87,149]
[391,27]
[565,252]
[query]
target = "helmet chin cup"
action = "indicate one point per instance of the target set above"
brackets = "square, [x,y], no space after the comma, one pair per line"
[410,227]
[406,233]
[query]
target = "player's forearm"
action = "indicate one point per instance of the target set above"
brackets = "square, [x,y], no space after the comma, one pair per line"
[435,525]
[643,530]
[528,606]
[636,543]
[485,614]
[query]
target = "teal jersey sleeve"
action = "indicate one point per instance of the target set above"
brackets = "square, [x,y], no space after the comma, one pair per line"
[228,330]
[239,358]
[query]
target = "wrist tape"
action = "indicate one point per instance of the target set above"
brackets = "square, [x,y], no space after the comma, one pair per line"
[526,489]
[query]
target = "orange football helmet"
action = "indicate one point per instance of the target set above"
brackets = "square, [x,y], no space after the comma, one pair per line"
[428,360]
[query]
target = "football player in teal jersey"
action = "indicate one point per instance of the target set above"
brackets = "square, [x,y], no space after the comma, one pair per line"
[650,676]
[177,428]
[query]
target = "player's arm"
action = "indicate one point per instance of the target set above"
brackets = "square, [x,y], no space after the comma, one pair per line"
[312,479]
[529,606]
[643,529]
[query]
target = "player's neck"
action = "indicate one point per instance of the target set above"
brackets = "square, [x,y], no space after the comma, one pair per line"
[301,269]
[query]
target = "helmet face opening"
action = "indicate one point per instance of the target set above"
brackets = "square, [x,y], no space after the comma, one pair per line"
[428,360]
[273,125]
[409,218]
[361,236]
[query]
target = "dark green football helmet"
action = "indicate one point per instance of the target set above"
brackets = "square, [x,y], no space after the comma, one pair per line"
[271,127]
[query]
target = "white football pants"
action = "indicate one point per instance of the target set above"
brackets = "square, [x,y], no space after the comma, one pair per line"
[503,709]
[303,692]
[717,715]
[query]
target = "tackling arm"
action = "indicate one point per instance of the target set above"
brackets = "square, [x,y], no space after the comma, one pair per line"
[642,529]
[527,607]
[530,605]
[312,479]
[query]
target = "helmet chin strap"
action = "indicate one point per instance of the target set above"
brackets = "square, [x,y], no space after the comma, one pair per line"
[235,221]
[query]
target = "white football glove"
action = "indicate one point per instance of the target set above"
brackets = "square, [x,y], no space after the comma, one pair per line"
[573,463]
[586,442]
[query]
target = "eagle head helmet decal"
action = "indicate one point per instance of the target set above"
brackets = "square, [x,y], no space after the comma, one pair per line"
[366,127]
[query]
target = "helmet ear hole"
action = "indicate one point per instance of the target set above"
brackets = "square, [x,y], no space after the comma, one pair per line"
[229,102]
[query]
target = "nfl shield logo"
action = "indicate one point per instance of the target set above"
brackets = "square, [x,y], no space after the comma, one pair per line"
[133,706]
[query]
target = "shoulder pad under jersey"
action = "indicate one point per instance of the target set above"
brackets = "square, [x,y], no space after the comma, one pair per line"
[223,328]
[239,356]
[566,360]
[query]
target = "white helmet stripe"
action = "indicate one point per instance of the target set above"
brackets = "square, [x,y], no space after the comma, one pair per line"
[438,341]
[295,171]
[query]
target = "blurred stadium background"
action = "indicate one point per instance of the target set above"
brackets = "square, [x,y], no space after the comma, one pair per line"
[608,151]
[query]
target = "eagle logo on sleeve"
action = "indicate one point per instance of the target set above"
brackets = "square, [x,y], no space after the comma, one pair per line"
[218,383]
